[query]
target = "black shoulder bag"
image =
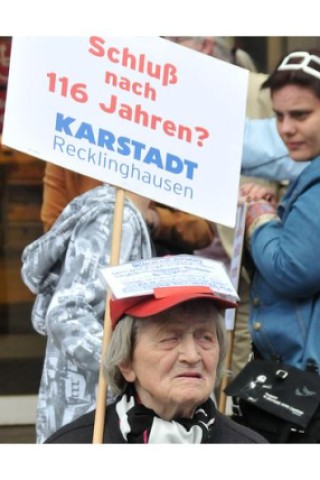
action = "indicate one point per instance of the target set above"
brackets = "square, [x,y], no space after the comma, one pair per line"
[280,402]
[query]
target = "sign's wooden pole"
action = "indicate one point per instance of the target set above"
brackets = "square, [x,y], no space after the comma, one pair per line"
[98,429]
[225,380]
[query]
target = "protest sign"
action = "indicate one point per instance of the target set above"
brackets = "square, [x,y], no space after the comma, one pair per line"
[230,313]
[236,259]
[141,113]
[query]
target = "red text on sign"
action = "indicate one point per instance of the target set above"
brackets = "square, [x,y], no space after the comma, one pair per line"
[61,85]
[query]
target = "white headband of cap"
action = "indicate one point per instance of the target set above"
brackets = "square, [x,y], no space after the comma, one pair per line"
[303,65]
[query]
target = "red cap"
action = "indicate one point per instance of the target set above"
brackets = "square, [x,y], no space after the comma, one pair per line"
[162,299]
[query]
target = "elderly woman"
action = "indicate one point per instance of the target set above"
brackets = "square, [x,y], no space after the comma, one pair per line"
[163,361]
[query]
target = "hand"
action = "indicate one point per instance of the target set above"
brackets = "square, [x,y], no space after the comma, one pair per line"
[259,212]
[253,192]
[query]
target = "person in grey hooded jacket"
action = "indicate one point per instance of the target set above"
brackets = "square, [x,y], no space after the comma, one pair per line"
[62,269]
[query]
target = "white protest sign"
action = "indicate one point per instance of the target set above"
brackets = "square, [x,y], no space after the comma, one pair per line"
[236,260]
[141,113]
[143,276]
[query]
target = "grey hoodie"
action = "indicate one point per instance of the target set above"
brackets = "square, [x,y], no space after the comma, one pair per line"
[62,269]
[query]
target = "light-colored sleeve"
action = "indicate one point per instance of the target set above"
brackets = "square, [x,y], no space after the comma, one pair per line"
[75,316]
[264,153]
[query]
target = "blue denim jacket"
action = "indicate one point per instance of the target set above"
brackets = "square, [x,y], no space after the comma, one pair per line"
[285,295]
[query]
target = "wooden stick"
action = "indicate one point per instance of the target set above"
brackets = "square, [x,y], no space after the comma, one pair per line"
[225,379]
[98,429]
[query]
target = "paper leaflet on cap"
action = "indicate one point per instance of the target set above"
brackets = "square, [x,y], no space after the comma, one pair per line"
[143,277]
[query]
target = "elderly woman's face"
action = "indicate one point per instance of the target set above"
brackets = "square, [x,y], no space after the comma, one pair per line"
[174,363]
[298,119]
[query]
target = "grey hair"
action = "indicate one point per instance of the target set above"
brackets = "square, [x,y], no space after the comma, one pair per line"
[120,351]
[123,340]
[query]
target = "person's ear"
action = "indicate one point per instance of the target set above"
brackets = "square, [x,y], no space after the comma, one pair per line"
[127,372]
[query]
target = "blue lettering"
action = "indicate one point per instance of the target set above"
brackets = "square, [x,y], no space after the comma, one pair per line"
[124,146]
[80,154]
[153,156]
[191,166]
[71,149]
[85,131]
[106,139]
[62,124]
[58,142]
[138,147]
[174,164]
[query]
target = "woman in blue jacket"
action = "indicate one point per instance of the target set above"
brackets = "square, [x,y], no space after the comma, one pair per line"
[284,319]
[284,243]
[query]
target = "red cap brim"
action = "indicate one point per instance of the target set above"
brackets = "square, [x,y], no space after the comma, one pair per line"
[162,299]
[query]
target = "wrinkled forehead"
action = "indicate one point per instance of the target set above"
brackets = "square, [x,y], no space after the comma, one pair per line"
[195,313]
[189,324]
